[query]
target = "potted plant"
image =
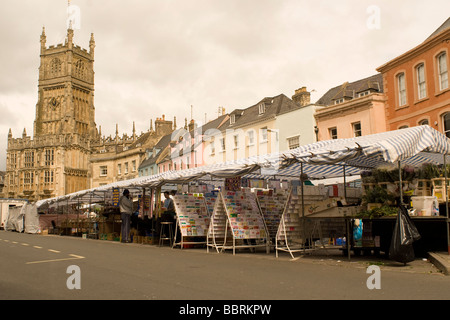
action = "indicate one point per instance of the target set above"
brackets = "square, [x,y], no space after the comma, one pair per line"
[376,197]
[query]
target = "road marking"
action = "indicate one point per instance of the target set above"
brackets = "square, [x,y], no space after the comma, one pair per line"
[25,244]
[14,242]
[6,240]
[37,247]
[73,257]
[55,251]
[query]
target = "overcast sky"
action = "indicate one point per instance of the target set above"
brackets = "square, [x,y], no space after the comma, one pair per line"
[157,57]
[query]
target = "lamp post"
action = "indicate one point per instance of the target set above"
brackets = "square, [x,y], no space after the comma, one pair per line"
[316,131]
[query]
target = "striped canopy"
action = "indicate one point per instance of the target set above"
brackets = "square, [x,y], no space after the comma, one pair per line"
[324,159]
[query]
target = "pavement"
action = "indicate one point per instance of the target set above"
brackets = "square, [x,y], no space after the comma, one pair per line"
[441,260]
[434,264]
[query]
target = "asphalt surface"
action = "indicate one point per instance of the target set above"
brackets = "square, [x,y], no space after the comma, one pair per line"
[36,267]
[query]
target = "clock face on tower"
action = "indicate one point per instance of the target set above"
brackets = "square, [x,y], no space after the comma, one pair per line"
[53,104]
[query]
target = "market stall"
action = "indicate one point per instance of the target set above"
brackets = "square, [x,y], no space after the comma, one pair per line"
[237,222]
[192,221]
[272,203]
[411,147]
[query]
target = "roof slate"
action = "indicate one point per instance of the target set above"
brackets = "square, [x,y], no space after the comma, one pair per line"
[274,106]
[444,26]
[347,89]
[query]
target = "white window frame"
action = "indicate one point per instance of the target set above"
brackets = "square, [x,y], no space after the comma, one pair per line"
[264,135]
[236,141]
[251,137]
[262,108]
[213,147]
[356,130]
[295,142]
[364,93]
[401,89]
[103,171]
[446,130]
[421,83]
[339,101]
[330,132]
[442,70]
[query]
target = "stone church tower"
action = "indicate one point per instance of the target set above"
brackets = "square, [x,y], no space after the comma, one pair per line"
[67,153]
[56,160]
[66,90]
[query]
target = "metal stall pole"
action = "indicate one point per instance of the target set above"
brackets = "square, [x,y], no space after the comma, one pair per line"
[347,220]
[400,182]
[68,212]
[303,207]
[78,216]
[89,217]
[345,185]
[143,213]
[104,222]
[57,216]
[157,209]
[152,214]
[446,203]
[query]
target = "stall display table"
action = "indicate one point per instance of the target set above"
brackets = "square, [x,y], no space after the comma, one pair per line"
[309,216]
[291,236]
[377,235]
[272,205]
[192,219]
[237,222]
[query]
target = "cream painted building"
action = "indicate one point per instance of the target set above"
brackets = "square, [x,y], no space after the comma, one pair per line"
[297,127]
[119,158]
[261,129]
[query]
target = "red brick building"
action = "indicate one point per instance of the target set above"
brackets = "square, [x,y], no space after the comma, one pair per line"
[416,84]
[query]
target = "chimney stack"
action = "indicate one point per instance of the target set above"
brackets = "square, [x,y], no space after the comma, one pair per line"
[302,96]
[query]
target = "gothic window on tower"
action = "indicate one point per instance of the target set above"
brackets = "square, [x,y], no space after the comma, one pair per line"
[49,157]
[48,176]
[13,160]
[29,159]
[79,68]
[28,178]
[55,66]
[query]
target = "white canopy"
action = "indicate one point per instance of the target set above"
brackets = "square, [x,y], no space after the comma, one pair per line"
[324,159]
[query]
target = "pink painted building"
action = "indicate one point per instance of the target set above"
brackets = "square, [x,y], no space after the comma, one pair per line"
[352,109]
[188,151]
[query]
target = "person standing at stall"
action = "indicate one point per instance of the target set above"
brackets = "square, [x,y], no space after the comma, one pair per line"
[168,208]
[126,209]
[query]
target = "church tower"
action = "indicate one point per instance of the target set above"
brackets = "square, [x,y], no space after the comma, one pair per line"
[66,89]
[55,161]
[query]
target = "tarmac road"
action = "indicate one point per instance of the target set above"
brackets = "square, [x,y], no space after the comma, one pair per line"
[36,267]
